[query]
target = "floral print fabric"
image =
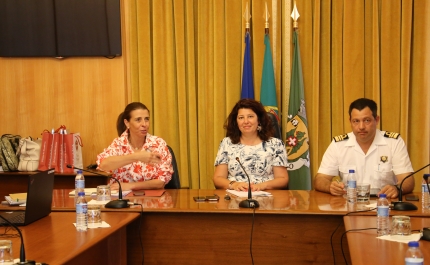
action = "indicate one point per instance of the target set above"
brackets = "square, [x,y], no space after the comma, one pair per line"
[257,160]
[139,171]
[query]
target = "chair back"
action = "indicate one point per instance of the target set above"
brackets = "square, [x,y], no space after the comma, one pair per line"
[174,183]
[275,125]
[277,130]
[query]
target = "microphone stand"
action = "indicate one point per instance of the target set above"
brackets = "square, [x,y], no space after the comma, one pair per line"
[118,204]
[249,203]
[405,206]
[22,250]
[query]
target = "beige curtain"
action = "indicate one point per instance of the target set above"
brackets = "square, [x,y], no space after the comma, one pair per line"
[185,64]
[374,49]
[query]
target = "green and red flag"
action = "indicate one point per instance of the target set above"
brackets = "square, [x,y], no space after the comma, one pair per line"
[297,136]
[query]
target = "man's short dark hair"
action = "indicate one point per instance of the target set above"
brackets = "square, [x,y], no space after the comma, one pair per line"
[362,103]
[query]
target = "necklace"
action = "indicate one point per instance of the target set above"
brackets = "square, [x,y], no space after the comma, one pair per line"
[133,147]
[136,148]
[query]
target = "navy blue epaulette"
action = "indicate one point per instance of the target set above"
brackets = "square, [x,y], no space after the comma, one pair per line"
[341,137]
[393,135]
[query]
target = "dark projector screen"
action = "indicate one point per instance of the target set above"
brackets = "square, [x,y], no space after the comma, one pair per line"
[60,28]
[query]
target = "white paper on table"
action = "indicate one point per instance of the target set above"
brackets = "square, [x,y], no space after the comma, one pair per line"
[115,193]
[93,192]
[244,194]
[402,239]
[95,202]
[96,225]
[371,205]
[88,192]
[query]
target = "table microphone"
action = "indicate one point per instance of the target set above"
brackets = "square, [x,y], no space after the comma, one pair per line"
[22,250]
[120,203]
[406,206]
[249,203]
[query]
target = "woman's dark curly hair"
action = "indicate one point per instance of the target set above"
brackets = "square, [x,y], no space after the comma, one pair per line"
[120,125]
[264,120]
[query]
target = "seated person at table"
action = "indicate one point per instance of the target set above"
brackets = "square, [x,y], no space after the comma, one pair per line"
[136,158]
[378,157]
[249,138]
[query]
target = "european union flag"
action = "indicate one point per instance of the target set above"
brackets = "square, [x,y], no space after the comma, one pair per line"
[247,79]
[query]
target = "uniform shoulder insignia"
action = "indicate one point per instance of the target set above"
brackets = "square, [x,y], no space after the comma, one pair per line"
[393,135]
[340,137]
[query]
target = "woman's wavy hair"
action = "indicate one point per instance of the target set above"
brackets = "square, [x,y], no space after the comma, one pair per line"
[264,120]
[120,125]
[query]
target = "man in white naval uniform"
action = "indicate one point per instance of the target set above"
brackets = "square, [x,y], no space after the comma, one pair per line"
[378,157]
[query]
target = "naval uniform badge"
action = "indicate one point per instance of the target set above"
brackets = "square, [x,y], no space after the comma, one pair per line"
[393,135]
[384,159]
[340,137]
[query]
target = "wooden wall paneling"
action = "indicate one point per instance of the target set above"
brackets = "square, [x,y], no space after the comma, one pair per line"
[84,93]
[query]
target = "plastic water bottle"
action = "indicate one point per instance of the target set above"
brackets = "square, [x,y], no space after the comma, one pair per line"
[425,200]
[351,191]
[413,255]
[81,212]
[79,184]
[383,216]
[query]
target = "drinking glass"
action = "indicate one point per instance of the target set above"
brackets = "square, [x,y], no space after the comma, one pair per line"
[94,213]
[6,251]
[363,192]
[103,193]
[400,225]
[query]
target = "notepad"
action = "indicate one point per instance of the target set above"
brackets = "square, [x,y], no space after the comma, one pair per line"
[88,192]
[93,191]
[14,202]
[22,197]
[244,194]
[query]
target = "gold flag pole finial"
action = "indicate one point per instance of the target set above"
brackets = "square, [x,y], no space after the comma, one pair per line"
[295,15]
[247,17]
[266,17]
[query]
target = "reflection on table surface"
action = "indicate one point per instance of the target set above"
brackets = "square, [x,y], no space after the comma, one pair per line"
[339,203]
[184,199]
[62,200]
[281,202]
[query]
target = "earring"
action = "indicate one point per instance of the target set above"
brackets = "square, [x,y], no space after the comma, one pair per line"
[259,127]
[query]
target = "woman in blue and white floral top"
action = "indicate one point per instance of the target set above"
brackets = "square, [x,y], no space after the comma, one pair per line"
[249,139]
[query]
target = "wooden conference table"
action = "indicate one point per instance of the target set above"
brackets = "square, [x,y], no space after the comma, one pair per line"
[365,248]
[291,227]
[54,240]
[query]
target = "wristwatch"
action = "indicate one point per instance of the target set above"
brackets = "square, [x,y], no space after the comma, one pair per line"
[231,183]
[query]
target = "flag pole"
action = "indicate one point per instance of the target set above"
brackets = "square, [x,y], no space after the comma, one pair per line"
[266,17]
[247,77]
[297,136]
[247,17]
[268,87]
[295,16]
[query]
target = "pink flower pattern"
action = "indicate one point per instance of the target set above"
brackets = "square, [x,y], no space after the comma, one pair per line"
[139,171]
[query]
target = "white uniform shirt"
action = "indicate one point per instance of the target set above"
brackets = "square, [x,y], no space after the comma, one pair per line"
[386,158]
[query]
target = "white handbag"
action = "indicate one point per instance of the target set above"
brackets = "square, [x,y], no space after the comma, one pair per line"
[29,154]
